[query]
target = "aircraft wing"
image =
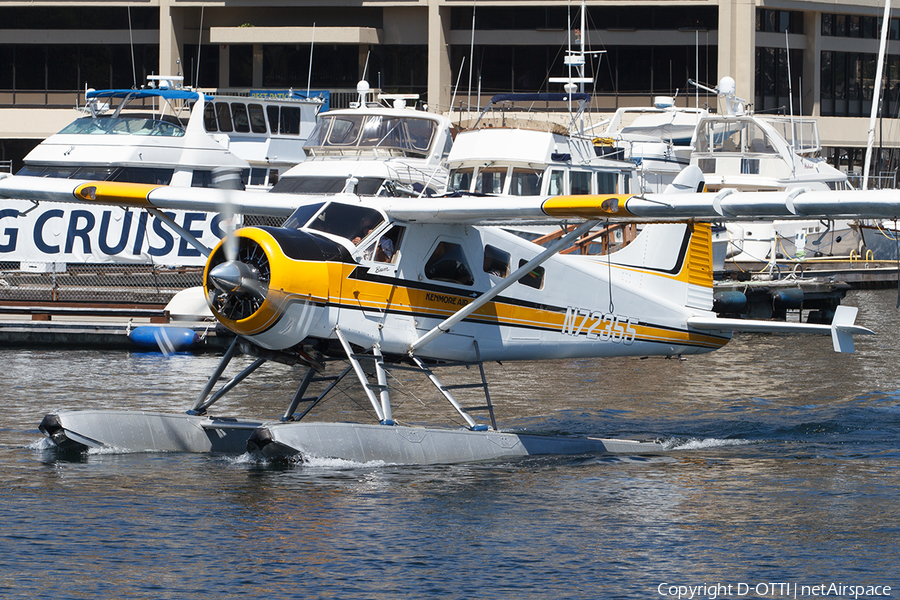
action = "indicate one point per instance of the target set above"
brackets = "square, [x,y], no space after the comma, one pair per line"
[727,205]
[677,206]
[141,195]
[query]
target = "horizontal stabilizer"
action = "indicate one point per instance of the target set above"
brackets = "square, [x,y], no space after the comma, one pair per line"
[841,329]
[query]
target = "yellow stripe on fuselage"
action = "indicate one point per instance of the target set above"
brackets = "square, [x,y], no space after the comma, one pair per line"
[382,296]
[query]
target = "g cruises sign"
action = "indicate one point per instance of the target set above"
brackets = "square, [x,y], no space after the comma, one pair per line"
[56,232]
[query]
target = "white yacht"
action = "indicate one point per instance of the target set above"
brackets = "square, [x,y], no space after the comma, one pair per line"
[176,136]
[161,134]
[523,156]
[755,152]
[656,139]
[374,150]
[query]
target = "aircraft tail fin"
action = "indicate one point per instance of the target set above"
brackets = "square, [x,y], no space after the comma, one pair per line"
[690,180]
[672,260]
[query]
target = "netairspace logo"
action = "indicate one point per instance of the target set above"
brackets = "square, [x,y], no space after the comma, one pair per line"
[771,590]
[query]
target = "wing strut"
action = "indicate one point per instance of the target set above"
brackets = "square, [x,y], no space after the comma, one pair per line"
[184,233]
[445,325]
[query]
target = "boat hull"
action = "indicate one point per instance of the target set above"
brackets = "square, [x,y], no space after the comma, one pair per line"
[363,443]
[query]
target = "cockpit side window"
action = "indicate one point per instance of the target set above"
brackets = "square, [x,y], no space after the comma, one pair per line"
[386,248]
[347,221]
[448,263]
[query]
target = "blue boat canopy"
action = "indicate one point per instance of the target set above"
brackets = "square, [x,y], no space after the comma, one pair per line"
[146,93]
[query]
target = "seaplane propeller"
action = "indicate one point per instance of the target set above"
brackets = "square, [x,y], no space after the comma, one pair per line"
[237,277]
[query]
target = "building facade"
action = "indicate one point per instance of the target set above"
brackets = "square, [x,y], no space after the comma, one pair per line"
[801,56]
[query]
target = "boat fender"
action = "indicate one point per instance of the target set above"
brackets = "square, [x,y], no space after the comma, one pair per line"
[788,298]
[165,339]
[729,302]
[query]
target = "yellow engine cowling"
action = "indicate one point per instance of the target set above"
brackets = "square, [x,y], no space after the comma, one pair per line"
[277,284]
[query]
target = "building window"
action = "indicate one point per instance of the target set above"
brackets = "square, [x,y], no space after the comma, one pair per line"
[857,26]
[779,21]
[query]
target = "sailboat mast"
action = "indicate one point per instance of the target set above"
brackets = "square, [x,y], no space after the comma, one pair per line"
[876,95]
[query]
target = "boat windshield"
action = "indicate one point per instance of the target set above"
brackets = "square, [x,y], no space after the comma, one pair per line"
[124,125]
[344,132]
[739,137]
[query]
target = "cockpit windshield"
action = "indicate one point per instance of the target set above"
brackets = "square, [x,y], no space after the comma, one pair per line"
[348,221]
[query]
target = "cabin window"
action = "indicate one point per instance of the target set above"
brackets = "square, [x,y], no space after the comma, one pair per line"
[257,176]
[534,278]
[201,179]
[606,183]
[344,132]
[490,180]
[496,261]
[461,179]
[58,172]
[385,249]
[223,117]
[525,182]
[209,117]
[94,173]
[239,115]
[273,176]
[139,175]
[348,221]
[257,118]
[448,263]
[272,114]
[421,132]
[557,182]
[580,182]
[290,120]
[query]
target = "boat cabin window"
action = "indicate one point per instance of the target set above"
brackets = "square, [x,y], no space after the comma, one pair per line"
[209,118]
[289,121]
[580,182]
[366,186]
[525,182]
[534,278]
[143,175]
[386,248]
[606,183]
[348,221]
[124,174]
[557,182]
[496,261]
[461,179]
[223,117]
[448,263]
[302,215]
[257,118]
[490,180]
[240,117]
